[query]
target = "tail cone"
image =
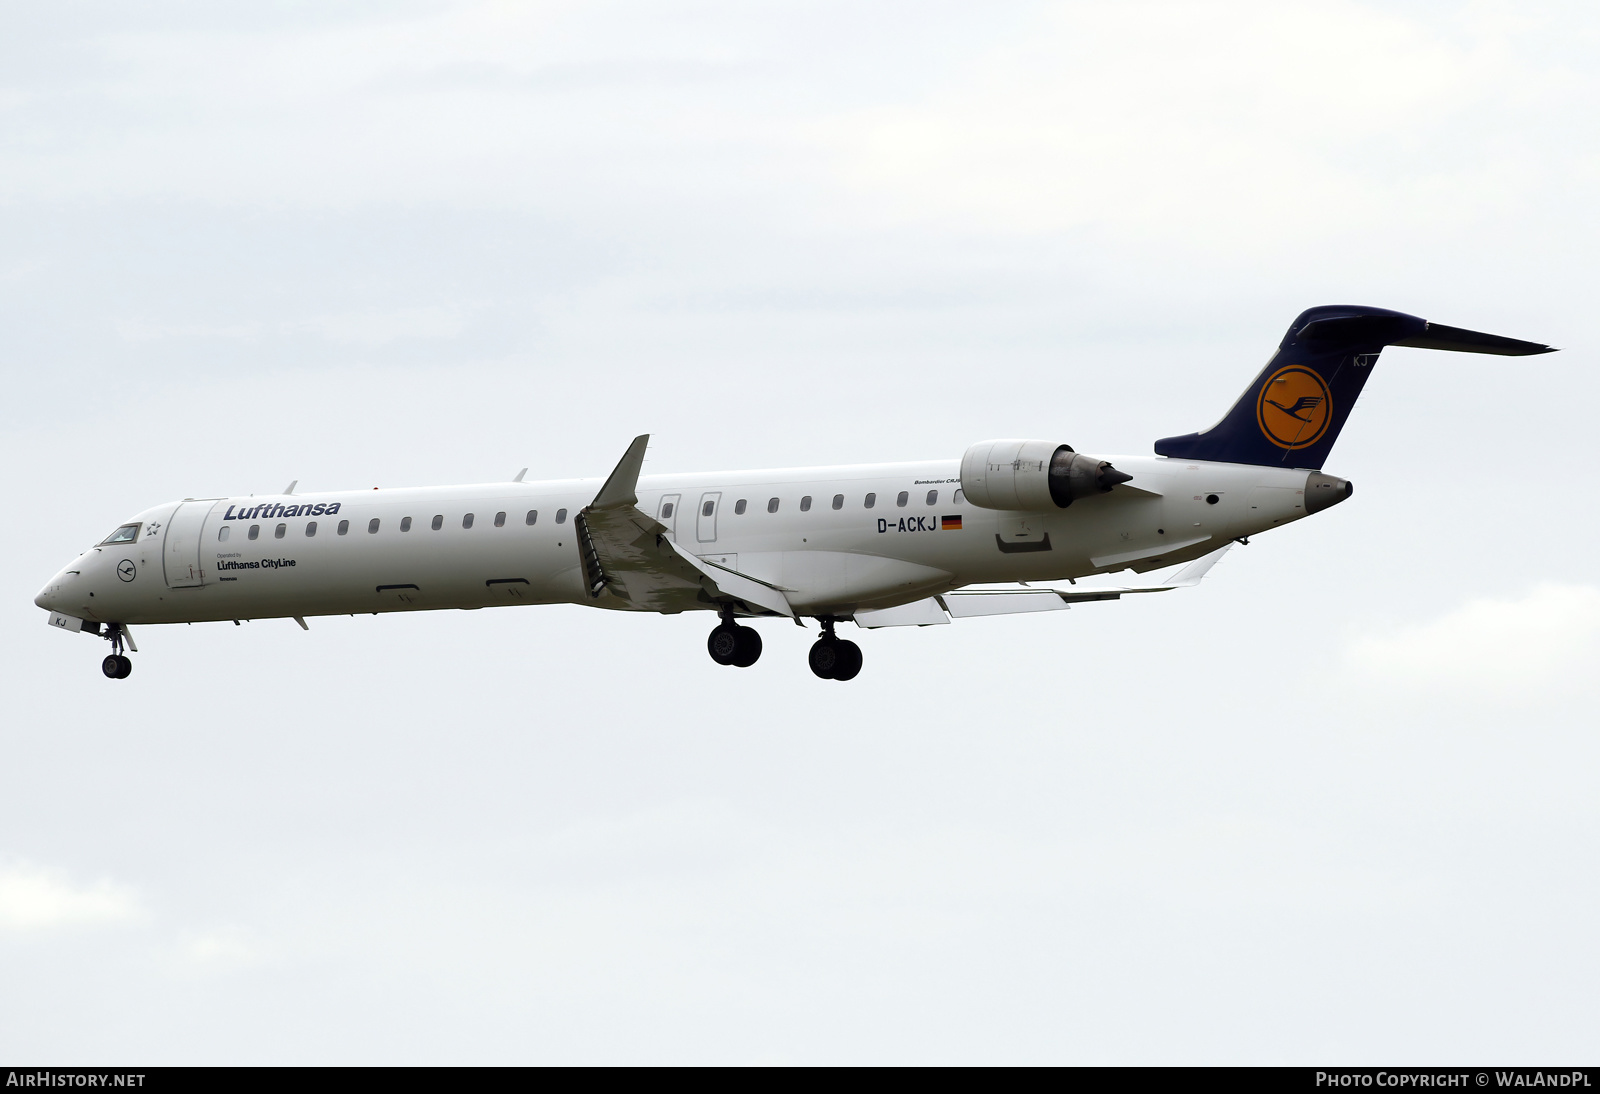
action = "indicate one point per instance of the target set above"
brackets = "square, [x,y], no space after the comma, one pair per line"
[1325,491]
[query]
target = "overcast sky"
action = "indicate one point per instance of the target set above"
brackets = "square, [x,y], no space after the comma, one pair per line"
[1335,805]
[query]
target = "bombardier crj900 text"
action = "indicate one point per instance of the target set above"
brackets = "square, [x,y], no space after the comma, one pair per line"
[880,545]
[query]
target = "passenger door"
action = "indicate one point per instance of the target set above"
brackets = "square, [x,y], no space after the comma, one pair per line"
[667,513]
[180,556]
[705,518]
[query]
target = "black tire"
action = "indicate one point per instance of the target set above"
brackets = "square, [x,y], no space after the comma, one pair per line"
[749,647]
[112,666]
[824,657]
[723,645]
[849,660]
[127,667]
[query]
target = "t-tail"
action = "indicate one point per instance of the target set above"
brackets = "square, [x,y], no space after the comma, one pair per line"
[1291,414]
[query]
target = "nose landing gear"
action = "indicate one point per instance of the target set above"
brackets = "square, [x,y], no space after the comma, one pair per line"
[116,666]
[731,644]
[834,658]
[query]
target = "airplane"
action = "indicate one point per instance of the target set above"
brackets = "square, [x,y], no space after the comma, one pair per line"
[877,545]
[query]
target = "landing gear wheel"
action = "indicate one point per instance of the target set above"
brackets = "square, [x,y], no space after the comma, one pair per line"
[824,657]
[116,667]
[849,662]
[723,645]
[749,651]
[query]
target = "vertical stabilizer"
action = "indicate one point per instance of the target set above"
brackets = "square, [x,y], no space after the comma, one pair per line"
[1292,412]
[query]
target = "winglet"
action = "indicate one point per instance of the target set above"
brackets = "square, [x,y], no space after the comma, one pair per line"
[1187,577]
[1192,573]
[521,473]
[290,488]
[619,488]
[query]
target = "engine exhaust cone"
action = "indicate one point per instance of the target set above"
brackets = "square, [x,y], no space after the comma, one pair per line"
[1074,475]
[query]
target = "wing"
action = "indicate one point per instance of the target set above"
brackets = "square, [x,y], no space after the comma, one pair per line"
[967,603]
[629,563]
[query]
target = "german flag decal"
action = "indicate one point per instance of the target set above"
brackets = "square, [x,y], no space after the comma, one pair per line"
[949,524]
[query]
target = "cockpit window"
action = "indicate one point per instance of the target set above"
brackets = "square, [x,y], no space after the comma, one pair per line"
[126,534]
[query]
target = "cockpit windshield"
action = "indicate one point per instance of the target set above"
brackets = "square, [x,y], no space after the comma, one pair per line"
[126,534]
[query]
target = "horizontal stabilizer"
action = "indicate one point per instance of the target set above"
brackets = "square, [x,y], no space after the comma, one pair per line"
[1439,336]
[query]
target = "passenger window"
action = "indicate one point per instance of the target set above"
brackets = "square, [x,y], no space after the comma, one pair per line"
[255,530]
[372,526]
[438,521]
[772,505]
[311,528]
[344,526]
[561,516]
[499,520]
[126,534]
[933,497]
[706,509]
[405,524]
[805,504]
[666,511]
[902,498]
[738,508]
[533,517]
[872,499]
[466,521]
[960,497]
[277,533]
[223,533]
[838,501]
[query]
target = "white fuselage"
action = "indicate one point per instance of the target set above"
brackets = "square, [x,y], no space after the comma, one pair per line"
[232,558]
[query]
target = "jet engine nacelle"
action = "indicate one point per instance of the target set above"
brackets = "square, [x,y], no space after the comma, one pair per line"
[1032,475]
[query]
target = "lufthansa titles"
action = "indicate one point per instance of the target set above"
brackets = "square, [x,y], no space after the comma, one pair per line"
[271,511]
[264,564]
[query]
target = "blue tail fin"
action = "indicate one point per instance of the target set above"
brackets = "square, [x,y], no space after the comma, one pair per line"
[1291,414]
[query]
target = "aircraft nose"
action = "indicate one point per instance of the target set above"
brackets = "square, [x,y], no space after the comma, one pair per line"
[50,597]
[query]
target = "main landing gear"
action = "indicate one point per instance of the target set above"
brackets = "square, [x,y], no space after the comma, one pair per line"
[116,666]
[831,657]
[731,644]
[834,658]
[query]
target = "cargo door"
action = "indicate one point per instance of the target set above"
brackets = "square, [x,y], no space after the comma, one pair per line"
[180,557]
